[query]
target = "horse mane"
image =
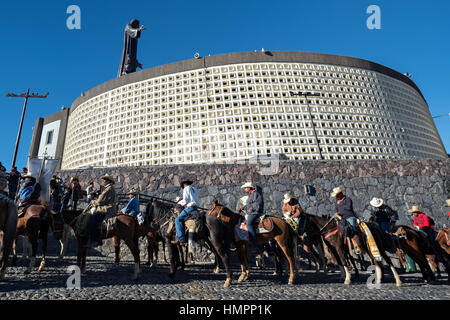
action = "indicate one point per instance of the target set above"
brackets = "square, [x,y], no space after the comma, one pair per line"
[160,210]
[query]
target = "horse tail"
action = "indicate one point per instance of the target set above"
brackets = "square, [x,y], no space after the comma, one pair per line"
[10,230]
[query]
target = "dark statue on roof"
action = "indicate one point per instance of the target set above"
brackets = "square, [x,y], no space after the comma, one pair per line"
[129,62]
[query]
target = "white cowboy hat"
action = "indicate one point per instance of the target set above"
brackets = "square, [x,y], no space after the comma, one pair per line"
[248,185]
[336,191]
[447,202]
[376,202]
[287,198]
[132,191]
[414,209]
[28,175]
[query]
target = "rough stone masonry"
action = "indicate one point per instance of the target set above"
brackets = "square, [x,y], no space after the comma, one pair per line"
[400,183]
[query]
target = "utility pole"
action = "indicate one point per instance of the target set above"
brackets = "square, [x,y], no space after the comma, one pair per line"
[26,96]
[306,95]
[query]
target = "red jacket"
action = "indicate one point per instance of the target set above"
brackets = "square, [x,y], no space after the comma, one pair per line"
[422,221]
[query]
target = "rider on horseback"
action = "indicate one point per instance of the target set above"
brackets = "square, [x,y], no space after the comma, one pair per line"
[382,214]
[29,195]
[99,208]
[255,209]
[344,209]
[190,203]
[291,210]
[132,207]
[423,223]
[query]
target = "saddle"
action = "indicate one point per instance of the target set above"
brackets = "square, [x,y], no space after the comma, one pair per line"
[265,225]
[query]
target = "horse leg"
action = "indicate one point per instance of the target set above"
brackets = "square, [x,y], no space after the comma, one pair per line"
[172,251]
[150,251]
[116,244]
[422,261]
[34,245]
[289,258]
[14,252]
[225,260]
[44,233]
[64,242]
[434,265]
[242,254]
[131,243]
[388,260]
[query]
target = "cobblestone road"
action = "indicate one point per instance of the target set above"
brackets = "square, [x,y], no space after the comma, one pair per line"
[105,280]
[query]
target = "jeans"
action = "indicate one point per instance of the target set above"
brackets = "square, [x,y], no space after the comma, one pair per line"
[94,223]
[251,226]
[352,222]
[384,226]
[133,214]
[179,223]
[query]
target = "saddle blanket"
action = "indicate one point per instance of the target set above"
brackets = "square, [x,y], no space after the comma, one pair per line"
[265,225]
[371,241]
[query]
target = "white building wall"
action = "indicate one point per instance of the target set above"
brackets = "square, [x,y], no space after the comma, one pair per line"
[49,149]
[234,112]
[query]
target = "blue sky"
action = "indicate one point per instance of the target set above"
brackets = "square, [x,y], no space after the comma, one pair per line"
[39,51]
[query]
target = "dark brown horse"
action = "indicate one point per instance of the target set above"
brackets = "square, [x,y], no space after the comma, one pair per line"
[417,245]
[34,224]
[384,243]
[221,223]
[335,247]
[121,226]
[8,222]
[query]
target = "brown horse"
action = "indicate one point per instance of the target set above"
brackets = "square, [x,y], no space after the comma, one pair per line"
[120,226]
[443,238]
[34,224]
[335,248]
[8,222]
[221,223]
[417,245]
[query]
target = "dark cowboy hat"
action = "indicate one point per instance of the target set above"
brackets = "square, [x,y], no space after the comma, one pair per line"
[186,181]
[108,177]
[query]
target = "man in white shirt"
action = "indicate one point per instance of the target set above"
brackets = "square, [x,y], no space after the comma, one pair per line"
[190,203]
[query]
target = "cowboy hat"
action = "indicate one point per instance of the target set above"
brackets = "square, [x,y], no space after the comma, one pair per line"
[287,198]
[376,202]
[187,181]
[336,191]
[248,185]
[108,177]
[447,202]
[132,191]
[74,178]
[414,209]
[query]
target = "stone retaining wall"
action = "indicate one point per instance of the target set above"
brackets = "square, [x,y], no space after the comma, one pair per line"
[401,184]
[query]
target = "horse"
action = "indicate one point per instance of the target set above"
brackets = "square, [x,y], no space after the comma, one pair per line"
[335,248]
[34,224]
[8,222]
[150,230]
[121,226]
[221,223]
[384,242]
[443,238]
[417,245]
[164,215]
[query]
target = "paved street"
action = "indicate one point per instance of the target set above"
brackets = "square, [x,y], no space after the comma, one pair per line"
[104,280]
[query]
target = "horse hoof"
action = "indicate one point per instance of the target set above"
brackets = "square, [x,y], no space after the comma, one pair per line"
[242,278]
[398,284]
[291,282]
[227,283]
[347,282]
[216,270]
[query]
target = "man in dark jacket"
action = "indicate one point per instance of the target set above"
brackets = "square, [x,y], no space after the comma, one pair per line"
[382,214]
[255,209]
[13,182]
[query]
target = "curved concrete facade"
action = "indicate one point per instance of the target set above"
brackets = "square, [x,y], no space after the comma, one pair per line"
[237,106]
